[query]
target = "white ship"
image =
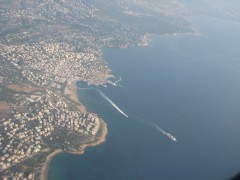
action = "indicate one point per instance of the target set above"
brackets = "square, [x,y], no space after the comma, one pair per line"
[166,134]
[170,137]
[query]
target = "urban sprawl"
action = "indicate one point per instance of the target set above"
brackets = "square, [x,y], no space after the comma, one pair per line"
[46,46]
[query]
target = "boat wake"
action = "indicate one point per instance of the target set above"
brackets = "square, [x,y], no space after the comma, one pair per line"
[164,132]
[112,103]
[116,82]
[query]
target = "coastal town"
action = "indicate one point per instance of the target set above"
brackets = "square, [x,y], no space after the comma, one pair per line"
[54,64]
[45,48]
[38,121]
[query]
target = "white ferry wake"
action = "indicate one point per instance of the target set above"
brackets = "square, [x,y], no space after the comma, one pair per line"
[112,103]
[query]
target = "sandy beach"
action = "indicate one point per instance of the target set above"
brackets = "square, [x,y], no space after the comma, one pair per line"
[100,139]
[71,90]
[45,167]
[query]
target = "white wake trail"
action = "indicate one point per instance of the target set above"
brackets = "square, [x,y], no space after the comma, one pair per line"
[116,82]
[164,132]
[112,103]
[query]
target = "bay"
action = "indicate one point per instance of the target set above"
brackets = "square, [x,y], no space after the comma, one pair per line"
[187,85]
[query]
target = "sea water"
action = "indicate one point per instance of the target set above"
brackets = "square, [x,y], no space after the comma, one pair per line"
[189,86]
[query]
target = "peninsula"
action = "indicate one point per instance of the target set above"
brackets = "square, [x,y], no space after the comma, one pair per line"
[46,46]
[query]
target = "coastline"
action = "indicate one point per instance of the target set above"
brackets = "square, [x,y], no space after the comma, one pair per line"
[101,139]
[46,164]
[71,91]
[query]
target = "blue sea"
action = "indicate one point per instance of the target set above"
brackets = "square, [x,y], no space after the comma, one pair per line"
[189,86]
